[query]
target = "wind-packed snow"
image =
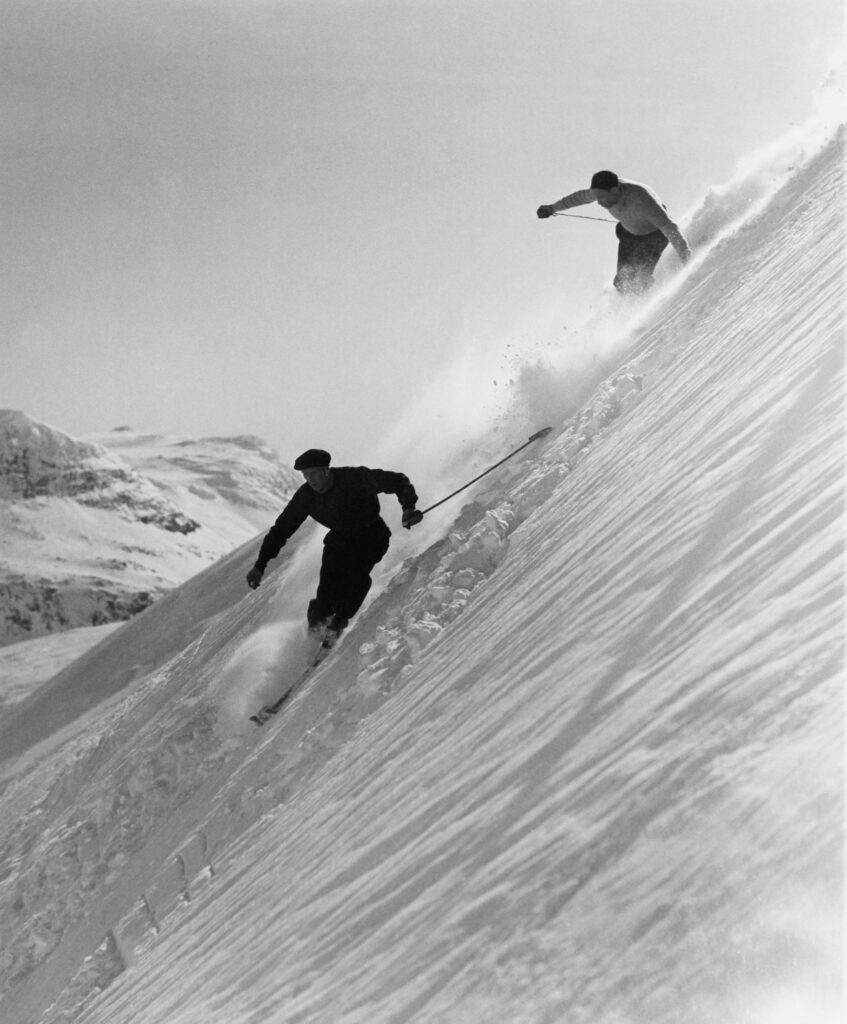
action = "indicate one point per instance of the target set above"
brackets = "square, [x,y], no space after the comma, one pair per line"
[580,758]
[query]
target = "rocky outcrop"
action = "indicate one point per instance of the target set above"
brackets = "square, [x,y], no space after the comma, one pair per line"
[33,607]
[37,461]
[94,530]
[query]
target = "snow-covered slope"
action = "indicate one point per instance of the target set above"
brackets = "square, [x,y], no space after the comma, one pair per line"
[94,530]
[25,665]
[579,761]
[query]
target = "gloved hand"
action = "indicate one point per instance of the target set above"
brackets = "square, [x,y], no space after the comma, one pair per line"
[411,517]
[545,211]
[254,577]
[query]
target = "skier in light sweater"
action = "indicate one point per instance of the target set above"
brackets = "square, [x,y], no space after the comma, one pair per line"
[644,227]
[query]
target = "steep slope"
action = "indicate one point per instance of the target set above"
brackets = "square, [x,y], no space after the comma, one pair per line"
[94,534]
[25,665]
[579,761]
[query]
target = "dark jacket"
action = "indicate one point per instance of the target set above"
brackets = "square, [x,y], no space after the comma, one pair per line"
[348,508]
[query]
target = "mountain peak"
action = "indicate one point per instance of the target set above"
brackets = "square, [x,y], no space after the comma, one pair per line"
[36,459]
[96,528]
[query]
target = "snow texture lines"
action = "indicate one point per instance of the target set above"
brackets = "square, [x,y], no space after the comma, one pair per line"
[580,760]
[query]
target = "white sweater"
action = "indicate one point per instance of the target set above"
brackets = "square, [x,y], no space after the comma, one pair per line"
[638,209]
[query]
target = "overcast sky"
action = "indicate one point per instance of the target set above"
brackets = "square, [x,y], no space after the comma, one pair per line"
[284,217]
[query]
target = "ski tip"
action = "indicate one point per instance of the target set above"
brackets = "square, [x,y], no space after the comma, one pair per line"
[541,433]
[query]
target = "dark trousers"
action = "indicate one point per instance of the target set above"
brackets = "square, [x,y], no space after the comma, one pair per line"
[345,577]
[637,259]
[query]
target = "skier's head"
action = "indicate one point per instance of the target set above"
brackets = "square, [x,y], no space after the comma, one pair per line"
[314,458]
[314,465]
[604,185]
[605,180]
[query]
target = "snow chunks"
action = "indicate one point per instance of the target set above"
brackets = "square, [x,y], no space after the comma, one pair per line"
[464,560]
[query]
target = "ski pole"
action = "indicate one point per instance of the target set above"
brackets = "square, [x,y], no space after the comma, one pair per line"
[539,433]
[582,216]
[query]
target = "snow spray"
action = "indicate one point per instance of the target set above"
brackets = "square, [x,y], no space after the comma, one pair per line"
[254,674]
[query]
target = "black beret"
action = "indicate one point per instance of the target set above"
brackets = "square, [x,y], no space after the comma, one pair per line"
[312,459]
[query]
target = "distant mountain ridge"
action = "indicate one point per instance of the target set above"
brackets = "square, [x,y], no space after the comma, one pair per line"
[37,461]
[95,529]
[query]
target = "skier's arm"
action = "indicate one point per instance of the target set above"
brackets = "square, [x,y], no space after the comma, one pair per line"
[656,213]
[385,482]
[677,240]
[580,198]
[289,521]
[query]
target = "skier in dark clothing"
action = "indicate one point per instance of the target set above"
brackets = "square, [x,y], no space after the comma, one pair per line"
[343,499]
[643,230]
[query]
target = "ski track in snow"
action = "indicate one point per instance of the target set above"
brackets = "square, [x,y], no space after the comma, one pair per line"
[580,760]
